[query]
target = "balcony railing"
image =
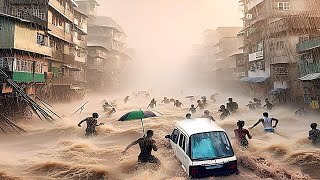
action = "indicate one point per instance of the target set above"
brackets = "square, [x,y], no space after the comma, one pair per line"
[64,80]
[308,45]
[306,69]
[13,11]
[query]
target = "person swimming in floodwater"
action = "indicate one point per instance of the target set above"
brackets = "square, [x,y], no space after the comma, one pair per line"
[92,122]
[257,103]
[232,106]
[146,144]
[267,123]
[178,104]
[193,109]
[200,105]
[301,112]
[126,99]
[268,104]
[314,134]
[112,111]
[152,104]
[241,134]
[224,112]
[207,115]
[251,105]
[188,116]
[204,101]
[165,100]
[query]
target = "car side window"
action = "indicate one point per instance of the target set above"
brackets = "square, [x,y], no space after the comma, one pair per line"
[182,142]
[175,136]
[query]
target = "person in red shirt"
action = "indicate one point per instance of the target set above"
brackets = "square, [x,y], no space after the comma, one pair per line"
[241,134]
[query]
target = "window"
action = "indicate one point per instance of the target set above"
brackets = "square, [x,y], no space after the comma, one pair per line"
[42,39]
[283,5]
[67,27]
[182,142]
[210,145]
[175,136]
[280,45]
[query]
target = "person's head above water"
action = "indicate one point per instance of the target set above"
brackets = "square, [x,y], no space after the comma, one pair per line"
[198,101]
[95,115]
[240,124]
[192,105]
[188,116]
[313,125]
[265,114]
[222,106]
[230,99]
[149,133]
[206,112]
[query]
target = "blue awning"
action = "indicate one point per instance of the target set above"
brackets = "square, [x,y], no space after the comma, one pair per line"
[254,79]
[310,77]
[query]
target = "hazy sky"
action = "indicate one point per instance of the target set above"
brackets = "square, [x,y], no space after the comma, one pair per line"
[167,26]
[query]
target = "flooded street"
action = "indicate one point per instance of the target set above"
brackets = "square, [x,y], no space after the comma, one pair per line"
[60,151]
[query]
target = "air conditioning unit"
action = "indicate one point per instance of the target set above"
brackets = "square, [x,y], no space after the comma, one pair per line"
[249,17]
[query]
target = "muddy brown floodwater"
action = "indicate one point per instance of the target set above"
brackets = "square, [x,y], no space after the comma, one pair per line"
[60,151]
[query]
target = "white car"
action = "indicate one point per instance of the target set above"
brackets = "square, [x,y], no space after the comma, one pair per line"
[203,148]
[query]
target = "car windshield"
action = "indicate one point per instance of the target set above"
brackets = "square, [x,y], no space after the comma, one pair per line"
[210,145]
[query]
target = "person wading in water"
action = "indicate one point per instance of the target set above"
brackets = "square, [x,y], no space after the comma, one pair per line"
[241,134]
[92,122]
[146,144]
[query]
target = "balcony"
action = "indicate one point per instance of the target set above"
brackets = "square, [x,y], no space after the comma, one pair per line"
[306,69]
[65,80]
[69,58]
[57,55]
[256,56]
[56,31]
[308,45]
[12,11]
[56,5]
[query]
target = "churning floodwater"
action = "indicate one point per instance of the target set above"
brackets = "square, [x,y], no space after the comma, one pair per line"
[60,151]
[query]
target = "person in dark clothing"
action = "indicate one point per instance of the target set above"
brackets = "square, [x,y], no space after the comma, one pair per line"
[153,104]
[301,112]
[257,103]
[204,100]
[314,134]
[165,100]
[251,105]
[200,105]
[146,144]
[192,109]
[207,115]
[224,112]
[232,106]
[126,99]
[268,104]
[188,116]
[91,125]
[178,104]
[241,134]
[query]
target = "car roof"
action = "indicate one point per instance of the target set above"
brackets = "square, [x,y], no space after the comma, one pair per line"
[198,125]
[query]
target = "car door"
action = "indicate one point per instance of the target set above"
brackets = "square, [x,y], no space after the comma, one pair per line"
[174,140]
[181,151]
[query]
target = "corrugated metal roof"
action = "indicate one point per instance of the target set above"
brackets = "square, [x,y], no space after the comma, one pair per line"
[310,77]
[254,79]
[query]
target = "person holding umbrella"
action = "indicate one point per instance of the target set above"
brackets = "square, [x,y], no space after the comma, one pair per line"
[146,144]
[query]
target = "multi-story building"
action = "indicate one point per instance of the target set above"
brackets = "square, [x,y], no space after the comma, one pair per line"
[64,35]
[222,48]
[272,29]
[23,51]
